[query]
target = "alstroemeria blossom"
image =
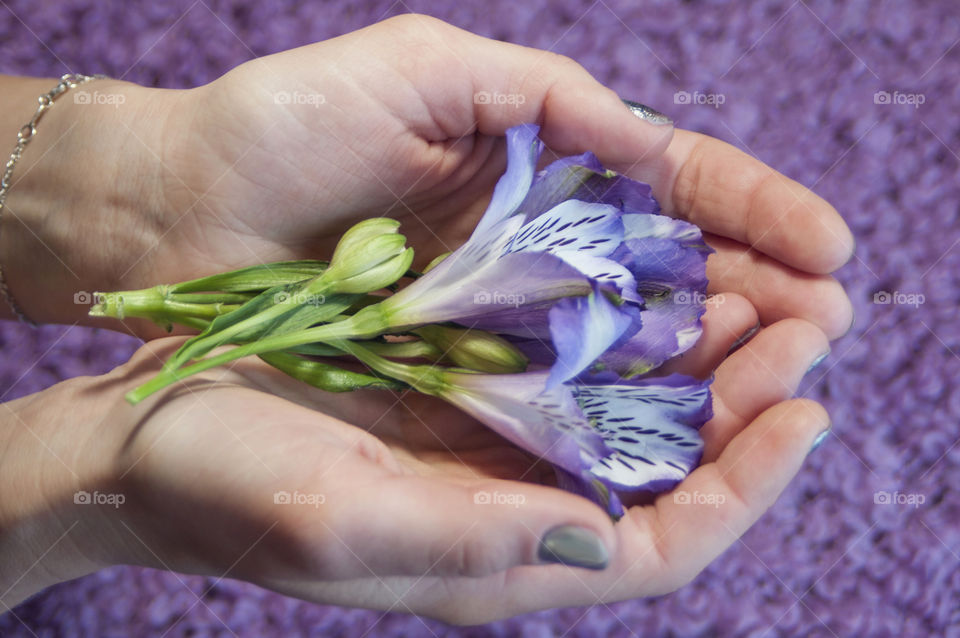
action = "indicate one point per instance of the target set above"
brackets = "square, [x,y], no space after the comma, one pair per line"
[570,261]
[603,434]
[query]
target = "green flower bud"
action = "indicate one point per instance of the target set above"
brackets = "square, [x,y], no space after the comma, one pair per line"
[436,261]
[365,256]
[361,233]
[475,349]
[379,275]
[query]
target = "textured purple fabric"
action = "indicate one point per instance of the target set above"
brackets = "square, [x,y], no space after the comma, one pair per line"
[799,81]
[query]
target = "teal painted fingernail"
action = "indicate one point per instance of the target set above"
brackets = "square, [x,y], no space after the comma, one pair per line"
[575,546]
[817,442]
[647,114]
[818,361]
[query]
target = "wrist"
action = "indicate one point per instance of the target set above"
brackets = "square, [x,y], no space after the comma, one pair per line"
[85,205]
[55,455]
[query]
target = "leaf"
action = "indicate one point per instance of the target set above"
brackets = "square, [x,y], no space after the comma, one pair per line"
[255,278]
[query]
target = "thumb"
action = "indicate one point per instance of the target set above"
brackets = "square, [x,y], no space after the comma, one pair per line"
[414,525]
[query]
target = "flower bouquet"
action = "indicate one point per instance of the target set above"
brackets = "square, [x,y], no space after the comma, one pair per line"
[548,325]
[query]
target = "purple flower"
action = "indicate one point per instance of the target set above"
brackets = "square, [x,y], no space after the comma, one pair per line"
[573,263]
[603,434]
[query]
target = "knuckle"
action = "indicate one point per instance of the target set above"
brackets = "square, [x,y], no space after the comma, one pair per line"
[468,558]
[685,186]
[407,22]
[562,70]
[371,448]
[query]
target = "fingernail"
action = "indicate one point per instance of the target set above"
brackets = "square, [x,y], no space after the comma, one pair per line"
[818,361]
[744,338]
[817,442]
[646,113]
[575,546]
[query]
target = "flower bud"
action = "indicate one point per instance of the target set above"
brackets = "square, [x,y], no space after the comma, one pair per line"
[475,349]
[373,247]
[379,275]
[359,234]
[436,261]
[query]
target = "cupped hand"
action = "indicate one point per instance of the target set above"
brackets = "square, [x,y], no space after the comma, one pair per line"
[245,473]
[406,504]
[405,118]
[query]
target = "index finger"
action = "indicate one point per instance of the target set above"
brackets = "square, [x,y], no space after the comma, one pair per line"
[727,192]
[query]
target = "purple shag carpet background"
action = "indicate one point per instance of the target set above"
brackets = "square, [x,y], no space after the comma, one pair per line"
[799,80]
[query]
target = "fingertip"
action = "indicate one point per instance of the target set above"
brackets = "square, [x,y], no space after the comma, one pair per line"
[728,319]
[569,529]
[839,321]
[837,245]
[730,316]
[765,371]
[806,340]
[761,460]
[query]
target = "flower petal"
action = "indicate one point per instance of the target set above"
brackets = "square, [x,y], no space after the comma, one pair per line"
[668,326]
[582,329]
[606,272]
[548,423]
[651,425]
[668,259]
[583,178]
[523,151]
[572,226]
[663,252]
[590,487]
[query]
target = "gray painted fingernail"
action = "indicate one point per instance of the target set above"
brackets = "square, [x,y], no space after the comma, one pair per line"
[745,337]
[575,546]
[818,361]
[648,114]
[817,442]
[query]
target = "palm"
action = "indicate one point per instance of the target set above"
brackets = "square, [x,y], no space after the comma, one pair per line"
[281,197]
[255,433]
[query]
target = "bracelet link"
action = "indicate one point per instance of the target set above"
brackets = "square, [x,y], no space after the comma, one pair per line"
[24,136]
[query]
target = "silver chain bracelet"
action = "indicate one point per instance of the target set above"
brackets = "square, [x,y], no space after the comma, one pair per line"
[24,136]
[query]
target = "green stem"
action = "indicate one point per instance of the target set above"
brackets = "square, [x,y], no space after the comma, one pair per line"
[326,376]
[208,298]
[367,323]
[159,303]
[426,379]
[201,344]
